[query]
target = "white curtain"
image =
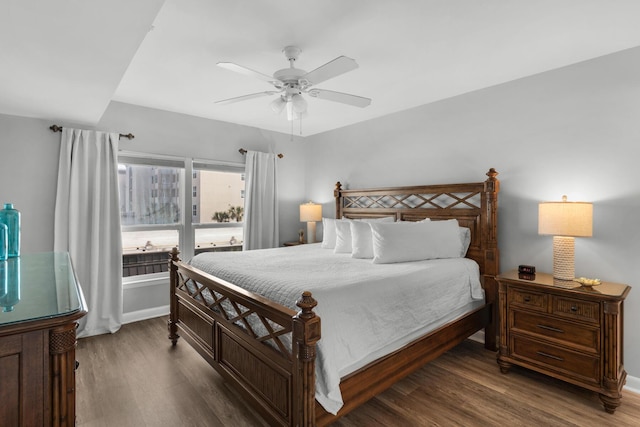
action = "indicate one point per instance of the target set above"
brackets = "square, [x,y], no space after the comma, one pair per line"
[87,224]
[261,201]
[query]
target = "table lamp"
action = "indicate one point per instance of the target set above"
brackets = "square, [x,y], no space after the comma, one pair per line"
[310,213]
[565,220]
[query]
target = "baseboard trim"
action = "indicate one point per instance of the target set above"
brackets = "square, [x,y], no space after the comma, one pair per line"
[478,337]
[148,313]
[633,385]
[135,282]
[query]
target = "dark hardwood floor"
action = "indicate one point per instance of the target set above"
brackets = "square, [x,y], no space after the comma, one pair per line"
[135,378]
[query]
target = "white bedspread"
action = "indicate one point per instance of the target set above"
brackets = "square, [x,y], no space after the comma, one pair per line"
[366,309]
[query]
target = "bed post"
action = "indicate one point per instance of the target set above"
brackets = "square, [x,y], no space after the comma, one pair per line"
[337,193]
[173,300]
[491,255]
[306,333]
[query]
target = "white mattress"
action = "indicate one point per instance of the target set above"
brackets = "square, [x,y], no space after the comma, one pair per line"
[367,309]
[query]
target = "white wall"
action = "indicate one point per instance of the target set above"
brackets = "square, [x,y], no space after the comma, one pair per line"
[573,131]
[28,177]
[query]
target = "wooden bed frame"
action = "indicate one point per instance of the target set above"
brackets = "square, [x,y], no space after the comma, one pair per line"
[275,370]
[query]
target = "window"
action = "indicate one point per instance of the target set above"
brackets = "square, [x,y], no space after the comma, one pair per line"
[152,206]
[150,213]
[221,207]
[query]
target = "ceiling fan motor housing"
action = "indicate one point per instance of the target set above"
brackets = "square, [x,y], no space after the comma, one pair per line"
[289,75]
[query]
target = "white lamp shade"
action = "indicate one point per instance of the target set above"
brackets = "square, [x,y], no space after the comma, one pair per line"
[299,103]
[573,219]
[277,105]
[310,212]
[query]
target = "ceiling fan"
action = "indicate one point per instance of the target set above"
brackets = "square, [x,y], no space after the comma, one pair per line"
[290,83]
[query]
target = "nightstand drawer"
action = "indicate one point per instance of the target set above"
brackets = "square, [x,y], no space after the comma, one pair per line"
[582,337]
[576,309]
[581,366]
[531,300]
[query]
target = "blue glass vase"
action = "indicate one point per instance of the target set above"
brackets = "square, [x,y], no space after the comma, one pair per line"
[9,284]
[4,237]
[11,218]
[4,280]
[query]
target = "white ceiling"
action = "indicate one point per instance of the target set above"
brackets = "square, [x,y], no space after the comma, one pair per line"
[67,59]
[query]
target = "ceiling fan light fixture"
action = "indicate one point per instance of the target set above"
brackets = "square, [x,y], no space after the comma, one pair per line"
[299,103]
[278,104]
[292,114]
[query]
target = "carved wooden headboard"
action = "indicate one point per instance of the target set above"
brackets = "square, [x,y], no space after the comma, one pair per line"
[474,205]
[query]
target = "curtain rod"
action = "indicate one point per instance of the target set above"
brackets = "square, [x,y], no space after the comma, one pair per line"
[56,128]
[243,151]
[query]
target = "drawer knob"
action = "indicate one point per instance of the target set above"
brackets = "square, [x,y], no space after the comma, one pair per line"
[527,299]
[574,308]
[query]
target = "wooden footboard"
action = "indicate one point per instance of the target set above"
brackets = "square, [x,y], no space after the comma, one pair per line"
[267,351]
[264,349]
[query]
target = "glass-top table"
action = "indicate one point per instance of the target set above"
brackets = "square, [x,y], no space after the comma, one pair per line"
[38,286]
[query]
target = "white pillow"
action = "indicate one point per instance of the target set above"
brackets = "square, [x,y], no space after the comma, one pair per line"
[415,241]
[328,233]
[465,239]
[465,236]
[361,239]
[343,237]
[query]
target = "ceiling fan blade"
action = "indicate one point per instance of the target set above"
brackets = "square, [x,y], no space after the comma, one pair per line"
[246,71]
[331,69]
[345,98]
[245,97]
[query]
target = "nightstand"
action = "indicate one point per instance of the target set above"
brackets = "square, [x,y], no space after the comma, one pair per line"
[292,243]
[562,329]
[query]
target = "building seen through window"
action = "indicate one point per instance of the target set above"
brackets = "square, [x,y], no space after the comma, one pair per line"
[149,195]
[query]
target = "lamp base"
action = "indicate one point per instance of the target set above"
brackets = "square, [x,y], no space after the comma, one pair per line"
[311,232]
[563,257]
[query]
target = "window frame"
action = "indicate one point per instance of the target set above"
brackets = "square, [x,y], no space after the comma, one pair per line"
[185,227]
